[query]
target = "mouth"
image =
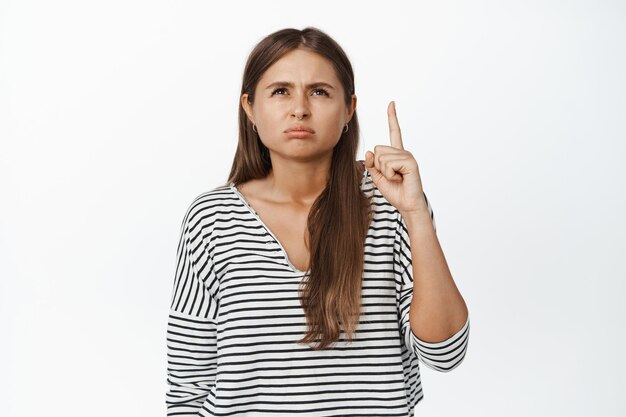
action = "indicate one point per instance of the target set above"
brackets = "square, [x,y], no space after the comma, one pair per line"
[298,133]
[299,128]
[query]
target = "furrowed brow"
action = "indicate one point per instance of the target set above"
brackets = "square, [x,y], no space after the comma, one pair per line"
[278,84]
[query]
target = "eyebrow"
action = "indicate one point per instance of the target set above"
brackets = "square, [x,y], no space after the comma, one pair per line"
[288,84]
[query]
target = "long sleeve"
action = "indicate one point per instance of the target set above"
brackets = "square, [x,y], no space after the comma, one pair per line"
[191,326]
[441,356]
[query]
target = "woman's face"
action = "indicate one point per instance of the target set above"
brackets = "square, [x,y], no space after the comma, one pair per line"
[301,101]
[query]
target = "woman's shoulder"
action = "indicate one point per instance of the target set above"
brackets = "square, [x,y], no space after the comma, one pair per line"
[206,203]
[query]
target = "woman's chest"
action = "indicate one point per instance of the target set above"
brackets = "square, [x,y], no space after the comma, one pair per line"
[288,225]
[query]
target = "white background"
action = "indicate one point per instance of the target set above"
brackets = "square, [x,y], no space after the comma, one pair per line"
[115,115]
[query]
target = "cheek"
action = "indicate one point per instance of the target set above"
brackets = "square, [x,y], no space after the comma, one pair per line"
[333,117]
[269,118]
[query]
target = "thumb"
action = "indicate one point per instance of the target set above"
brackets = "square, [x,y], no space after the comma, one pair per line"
[369,159]
[369,165]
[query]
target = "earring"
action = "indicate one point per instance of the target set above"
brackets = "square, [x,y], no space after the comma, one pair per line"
[254,127]
[346,128]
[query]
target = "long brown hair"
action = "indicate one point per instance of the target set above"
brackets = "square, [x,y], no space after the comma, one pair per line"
[340,216]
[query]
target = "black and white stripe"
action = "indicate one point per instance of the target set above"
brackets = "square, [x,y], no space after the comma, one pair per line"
[235,317]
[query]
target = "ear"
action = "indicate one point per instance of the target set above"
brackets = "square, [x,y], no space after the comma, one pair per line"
[247,107]
[351,109]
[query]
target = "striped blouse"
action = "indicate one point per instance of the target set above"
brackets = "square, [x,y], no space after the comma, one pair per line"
[235,317]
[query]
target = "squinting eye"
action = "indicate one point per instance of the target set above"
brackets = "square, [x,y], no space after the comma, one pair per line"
[282,89]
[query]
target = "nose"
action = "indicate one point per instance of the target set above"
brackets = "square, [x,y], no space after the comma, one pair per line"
[300,106]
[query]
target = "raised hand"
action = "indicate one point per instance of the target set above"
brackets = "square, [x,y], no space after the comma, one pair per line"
[395,172]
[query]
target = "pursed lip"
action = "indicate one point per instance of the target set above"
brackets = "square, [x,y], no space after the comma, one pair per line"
[300,128]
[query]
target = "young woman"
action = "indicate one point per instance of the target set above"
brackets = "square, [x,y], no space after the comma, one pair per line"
[294,290]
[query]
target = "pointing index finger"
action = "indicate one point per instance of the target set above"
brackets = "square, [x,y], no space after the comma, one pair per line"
[394,126]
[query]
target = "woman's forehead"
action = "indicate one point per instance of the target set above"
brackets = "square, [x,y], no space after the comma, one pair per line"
[301,67]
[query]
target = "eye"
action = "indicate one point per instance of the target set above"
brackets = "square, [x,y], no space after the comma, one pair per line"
[316,90]
[322,90]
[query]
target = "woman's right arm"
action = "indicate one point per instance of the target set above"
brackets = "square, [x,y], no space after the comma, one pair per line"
[191,326]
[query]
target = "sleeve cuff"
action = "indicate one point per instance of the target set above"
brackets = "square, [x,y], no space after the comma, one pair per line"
[442,356]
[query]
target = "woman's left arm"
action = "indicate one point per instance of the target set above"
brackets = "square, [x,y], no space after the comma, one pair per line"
[438,311]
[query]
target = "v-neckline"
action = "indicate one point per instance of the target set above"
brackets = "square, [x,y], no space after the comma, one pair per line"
[234,188]
[251,209]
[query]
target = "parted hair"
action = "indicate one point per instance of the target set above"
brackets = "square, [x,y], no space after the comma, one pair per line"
[337,224]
